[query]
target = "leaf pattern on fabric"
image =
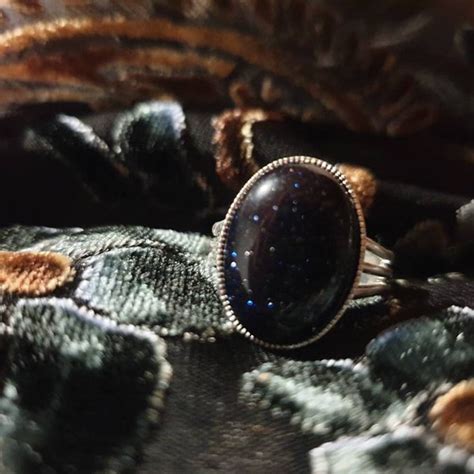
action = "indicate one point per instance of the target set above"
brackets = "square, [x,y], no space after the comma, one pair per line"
[72,373]
[88,359]
[372,415]
[145,159]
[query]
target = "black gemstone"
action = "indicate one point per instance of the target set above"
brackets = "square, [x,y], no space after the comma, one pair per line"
[291,253]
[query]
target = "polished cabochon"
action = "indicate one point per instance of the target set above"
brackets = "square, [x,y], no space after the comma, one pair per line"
[290,252]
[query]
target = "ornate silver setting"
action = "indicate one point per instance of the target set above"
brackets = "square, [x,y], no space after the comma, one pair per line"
[374,270]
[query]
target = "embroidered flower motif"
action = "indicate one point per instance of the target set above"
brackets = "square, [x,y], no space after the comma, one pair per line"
[453,414]
[34,273]
[372,415]
[91,359]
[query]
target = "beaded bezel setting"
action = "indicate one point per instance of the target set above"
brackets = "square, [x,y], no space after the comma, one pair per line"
[224,235]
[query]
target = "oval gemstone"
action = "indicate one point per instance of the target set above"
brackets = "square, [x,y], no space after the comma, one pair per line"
[291,254]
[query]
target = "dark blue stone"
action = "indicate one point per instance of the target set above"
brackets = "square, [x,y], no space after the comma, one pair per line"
[291,254]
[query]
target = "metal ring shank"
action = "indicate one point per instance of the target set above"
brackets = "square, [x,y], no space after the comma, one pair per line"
[376,271]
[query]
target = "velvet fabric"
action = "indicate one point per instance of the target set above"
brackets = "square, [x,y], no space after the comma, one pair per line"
[127,129]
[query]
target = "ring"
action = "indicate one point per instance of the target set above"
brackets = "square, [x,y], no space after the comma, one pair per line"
[292,252]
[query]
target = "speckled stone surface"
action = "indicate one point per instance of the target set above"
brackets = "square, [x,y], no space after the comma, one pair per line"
[291,254]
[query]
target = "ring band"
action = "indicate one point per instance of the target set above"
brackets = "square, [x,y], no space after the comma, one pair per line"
[292,252]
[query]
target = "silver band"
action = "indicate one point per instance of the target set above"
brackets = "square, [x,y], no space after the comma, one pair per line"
[376,271]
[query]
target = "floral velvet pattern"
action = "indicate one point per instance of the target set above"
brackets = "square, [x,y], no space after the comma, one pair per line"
[121,118]
[86,371]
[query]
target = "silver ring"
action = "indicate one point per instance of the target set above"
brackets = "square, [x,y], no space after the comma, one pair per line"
[292,252]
